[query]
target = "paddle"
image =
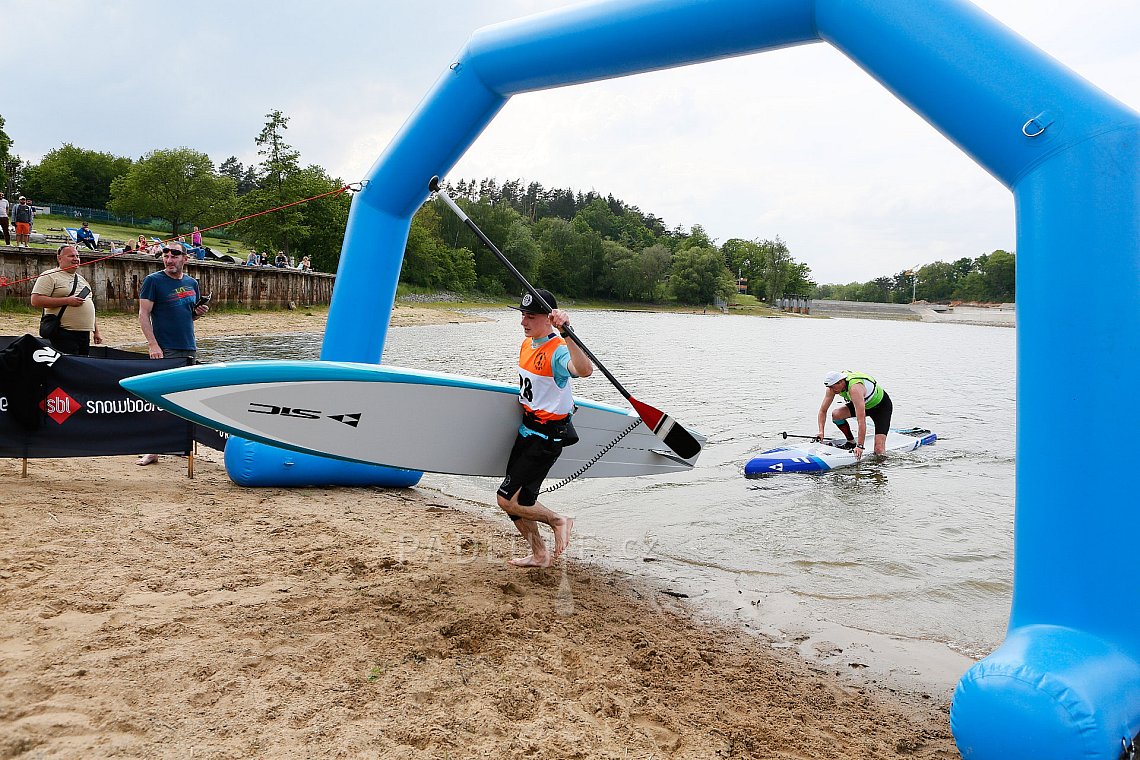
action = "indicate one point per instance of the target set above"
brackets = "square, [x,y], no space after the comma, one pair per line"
[678,439]
[786,436]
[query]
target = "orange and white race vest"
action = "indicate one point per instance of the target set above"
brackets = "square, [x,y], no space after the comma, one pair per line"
[538,393]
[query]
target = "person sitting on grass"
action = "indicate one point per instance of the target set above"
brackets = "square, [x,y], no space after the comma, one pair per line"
[84,236]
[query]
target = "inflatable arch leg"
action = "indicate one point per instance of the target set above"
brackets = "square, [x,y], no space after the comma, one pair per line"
[254,464]
[1066,683]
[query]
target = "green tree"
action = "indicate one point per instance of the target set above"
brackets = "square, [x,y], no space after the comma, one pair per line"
[75,176]
[631,275]
[572,259]
[321,235]
[936,282]
[245,178]
[178,185]
[308,216]
[314,228]
[279,184]
[745,259]
[510,233]
[16,169]
[775,269]
[601,219]
[971,288]
[699,276]
[695,238]
[799,282]
[429,262]
[5,156]
[1000,273]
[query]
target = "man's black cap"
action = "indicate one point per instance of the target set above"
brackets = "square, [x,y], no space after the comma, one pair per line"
[531,305]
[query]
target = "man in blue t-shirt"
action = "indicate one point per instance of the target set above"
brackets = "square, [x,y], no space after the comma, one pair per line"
[168,306]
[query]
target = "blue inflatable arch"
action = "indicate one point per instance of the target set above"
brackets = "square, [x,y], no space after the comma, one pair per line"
[1065,684]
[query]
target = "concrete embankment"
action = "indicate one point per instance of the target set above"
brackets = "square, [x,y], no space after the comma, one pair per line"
[997,316]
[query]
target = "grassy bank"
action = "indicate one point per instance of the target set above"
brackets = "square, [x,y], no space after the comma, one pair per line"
[54,224]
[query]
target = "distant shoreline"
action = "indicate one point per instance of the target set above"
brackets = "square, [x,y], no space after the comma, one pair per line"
[988,316]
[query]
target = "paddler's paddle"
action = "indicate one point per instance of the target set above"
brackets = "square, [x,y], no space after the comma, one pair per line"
[678,439]
[786,436]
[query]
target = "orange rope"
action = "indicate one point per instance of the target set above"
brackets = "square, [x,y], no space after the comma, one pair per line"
[5,282]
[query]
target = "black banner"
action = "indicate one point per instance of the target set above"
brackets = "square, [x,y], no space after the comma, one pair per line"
[57,405]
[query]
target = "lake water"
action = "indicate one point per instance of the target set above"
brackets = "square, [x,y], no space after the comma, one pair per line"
[917,547]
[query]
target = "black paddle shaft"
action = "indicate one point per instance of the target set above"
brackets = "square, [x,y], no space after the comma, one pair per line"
[434,186]
[679,440]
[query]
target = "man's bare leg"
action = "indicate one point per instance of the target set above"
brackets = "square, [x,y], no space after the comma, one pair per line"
[880,444]
[562,535]
[538,556]
[529,516]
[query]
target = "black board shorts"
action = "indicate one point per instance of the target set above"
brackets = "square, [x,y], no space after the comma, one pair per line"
[880,414]
[531,458]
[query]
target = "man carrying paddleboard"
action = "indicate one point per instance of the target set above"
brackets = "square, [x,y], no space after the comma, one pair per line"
[865,398]
[546,364]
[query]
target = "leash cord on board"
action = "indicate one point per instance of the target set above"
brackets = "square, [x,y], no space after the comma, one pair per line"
[594,459]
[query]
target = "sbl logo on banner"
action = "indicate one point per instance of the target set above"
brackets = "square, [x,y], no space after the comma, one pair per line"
[59,406]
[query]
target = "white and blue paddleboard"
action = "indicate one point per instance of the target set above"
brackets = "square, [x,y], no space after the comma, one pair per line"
[378,414]
[812,456]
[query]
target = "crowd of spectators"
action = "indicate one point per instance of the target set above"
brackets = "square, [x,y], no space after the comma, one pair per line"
[23,214]
[280,261]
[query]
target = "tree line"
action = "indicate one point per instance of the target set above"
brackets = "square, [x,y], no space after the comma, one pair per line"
[578,244]
[584,245]
[988,278]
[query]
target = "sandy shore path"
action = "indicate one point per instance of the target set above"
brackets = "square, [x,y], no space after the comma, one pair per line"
[147,615]
[122,330]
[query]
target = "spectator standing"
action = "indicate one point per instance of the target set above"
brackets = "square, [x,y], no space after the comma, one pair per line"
[84,236]
[23,216]
[64,288]
[196,244]
[4,219]
[168,306]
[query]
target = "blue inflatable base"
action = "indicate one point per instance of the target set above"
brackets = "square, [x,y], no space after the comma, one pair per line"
[1050,693]
[253,464]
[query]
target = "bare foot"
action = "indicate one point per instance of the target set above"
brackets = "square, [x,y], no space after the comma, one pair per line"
[562,536]
[530,561]
[146,459]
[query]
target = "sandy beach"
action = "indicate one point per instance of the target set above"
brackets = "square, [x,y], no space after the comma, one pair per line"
[148,615]
[122,330]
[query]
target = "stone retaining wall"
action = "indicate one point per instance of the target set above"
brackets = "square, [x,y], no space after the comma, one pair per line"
[116,281]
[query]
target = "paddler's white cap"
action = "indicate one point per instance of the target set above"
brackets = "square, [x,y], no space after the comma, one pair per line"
[831,378]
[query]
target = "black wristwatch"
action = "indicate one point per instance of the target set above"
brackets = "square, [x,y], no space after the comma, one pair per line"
[562,330]
[860,447]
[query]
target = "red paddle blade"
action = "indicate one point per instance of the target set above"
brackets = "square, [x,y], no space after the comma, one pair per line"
[680,441]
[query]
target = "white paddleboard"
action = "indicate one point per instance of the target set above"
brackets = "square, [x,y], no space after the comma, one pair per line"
[378,414]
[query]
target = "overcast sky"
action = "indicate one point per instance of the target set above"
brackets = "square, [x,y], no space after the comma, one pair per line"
[796,143]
